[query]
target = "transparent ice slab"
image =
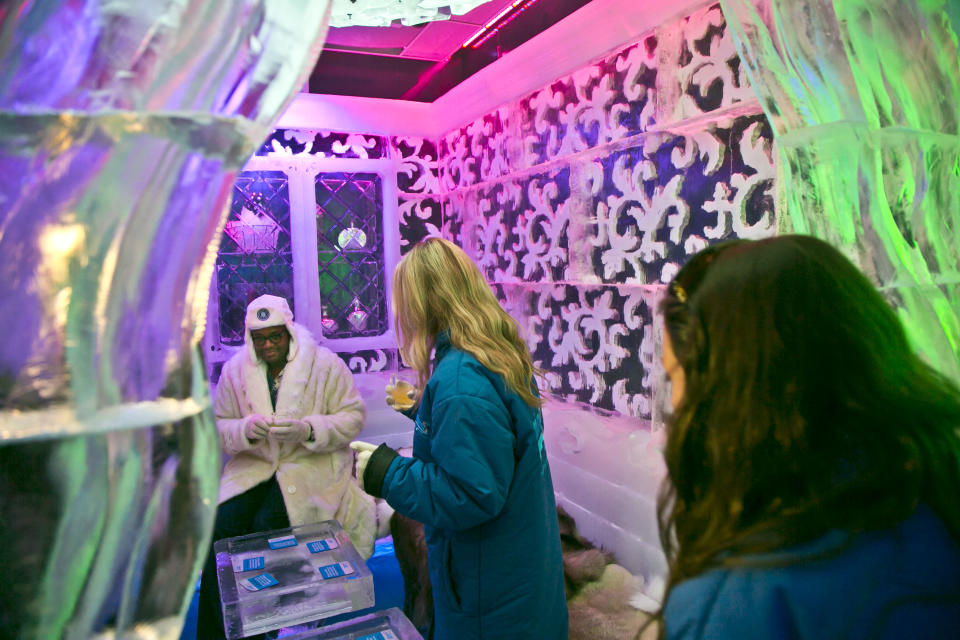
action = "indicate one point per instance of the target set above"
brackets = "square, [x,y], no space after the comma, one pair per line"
[122,125]
[307,585]
[389,624]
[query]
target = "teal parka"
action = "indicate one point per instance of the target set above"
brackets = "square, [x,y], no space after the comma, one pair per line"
[480,483]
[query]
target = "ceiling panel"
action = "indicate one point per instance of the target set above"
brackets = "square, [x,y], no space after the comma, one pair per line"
[392,37]
[425,61]
[439,40]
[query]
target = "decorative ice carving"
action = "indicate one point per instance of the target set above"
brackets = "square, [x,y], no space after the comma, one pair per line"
[707,67]
[253,233]
[355,145]
[419,169]
[648,213]
[540,230]
[730,201]
[567,185]
[361,364]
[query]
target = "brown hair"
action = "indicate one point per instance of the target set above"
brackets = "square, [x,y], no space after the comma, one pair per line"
[804,409]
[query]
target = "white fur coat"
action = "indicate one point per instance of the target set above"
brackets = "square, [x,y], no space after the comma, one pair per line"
[316,477]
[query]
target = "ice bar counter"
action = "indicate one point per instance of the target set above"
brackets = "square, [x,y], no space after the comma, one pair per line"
[284,577]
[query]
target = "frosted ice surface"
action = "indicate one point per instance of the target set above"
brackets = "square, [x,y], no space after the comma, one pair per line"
[121,127]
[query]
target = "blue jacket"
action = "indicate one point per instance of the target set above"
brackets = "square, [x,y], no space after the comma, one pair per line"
[892,584]
[480,483]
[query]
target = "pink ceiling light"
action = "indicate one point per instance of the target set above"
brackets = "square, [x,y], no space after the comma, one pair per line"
[499,20]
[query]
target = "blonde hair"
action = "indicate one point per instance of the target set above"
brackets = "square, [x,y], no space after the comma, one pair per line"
[436,287]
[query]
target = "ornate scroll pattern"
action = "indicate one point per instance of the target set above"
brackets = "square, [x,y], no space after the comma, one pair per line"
[706,73]
[323,144]
[581,199]
[596,343]
[516,229]
[419,170]
[419,205]
[419,219]
[370,360]
[606,101]
[662,202]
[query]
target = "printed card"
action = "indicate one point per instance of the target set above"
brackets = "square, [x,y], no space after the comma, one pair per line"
[380,635]
[248,564]
[326,544]
[282,542]
[335,570]
[258,583]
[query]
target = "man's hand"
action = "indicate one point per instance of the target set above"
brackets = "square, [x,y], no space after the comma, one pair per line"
[364,451]
[255,427]
[290,430]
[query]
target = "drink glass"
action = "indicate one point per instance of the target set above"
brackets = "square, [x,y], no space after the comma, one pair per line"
[401,393]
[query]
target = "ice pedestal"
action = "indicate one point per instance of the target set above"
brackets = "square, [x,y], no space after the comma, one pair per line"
[280,578]
[389,624]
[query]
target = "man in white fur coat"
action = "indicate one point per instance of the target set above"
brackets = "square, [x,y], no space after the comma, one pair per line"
[286,409]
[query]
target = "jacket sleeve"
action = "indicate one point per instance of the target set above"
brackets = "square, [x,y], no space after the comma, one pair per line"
[343,410]
[473,448]
[711,605]
[230,419]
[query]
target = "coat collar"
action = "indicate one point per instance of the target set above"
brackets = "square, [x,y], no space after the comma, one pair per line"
[442,345]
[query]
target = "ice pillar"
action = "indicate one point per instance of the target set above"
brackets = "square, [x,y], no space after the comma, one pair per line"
[122,125]
[862,96]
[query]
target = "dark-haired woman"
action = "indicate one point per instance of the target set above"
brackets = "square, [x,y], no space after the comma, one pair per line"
[813,459]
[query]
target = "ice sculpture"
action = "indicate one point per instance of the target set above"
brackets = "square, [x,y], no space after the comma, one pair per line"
[122,125]
[862,96]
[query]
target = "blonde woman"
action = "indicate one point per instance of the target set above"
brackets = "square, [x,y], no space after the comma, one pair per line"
[478,479]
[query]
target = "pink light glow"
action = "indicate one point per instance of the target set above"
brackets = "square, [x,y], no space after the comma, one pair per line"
[494,21]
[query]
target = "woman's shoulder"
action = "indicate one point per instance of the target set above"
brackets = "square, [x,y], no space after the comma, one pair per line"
[915,559]
[459,373]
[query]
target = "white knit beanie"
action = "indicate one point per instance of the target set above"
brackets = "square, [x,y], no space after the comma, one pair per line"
[269,311]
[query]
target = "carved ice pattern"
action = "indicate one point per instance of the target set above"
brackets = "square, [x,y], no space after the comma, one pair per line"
[323,144]
[595,343]
[666,200]
[370,360]
[628,217]
[419,219]
[706,73]
[606,101]
[419,171]
[654,206]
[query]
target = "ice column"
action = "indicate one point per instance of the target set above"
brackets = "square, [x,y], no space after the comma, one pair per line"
[122,125]
[862,96]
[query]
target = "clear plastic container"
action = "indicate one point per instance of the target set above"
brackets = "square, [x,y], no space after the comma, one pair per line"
[284,577]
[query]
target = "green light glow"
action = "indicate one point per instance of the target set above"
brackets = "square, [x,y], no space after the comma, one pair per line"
[862,96]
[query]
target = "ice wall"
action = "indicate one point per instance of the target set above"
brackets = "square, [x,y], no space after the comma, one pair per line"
[121,128]
[579,202]
[862,96]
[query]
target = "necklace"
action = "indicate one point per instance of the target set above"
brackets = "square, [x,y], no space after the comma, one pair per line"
[275,385]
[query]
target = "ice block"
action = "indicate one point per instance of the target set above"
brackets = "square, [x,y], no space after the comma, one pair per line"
[389,624]
[284,577]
